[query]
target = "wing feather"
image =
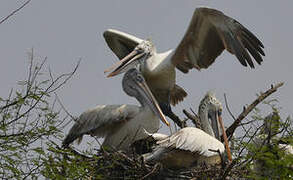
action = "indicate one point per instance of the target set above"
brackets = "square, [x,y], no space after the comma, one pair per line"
[100,121]
[253,51]
[177,95]
[120,43]
[193,140]
[209,33]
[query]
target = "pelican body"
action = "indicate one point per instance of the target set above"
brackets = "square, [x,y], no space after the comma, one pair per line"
[210,32]
[121,124]
[190,146]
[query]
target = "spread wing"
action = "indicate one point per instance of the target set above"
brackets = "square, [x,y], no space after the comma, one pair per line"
[121,43]
[209,33]
[193,140]
[100,121]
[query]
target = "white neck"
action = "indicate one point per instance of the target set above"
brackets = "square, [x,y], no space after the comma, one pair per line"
[158,61]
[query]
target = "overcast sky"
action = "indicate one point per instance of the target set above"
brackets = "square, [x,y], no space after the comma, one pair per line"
[67,30]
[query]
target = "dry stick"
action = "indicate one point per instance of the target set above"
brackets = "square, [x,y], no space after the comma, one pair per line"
[154,170]
[247,110]
[227,107]
[15,11]
[194,119]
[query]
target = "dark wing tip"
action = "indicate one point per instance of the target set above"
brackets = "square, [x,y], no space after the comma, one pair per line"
[254,37]
[253,49]
[248,41]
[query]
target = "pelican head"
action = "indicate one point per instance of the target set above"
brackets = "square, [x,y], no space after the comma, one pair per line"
[141,52]
[210,108]
[134,85]
[210,111]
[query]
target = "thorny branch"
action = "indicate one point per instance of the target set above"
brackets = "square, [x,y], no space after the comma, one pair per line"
[247,110]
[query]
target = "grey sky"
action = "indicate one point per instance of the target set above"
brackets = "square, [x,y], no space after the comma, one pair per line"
[67,30]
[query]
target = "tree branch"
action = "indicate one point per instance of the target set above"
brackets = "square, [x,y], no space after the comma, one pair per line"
[247,110]
[15,11]
[194,118]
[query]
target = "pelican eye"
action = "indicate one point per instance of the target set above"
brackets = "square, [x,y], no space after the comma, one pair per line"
[139,49]
[139,78]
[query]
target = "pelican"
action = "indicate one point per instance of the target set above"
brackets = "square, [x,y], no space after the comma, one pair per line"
[121,124]
[191,145]
[210,32]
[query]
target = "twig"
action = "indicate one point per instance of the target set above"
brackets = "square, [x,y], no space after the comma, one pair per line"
[250,139]
[156,167]
[62,106]
[15,11]
[247,110]
[229,168]
[177,120]
[125,157]
[48,90]
[194,118]
[226,103]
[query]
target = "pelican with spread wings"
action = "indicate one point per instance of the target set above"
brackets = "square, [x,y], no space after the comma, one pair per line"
[210,32]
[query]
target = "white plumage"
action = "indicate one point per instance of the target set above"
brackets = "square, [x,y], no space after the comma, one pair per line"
[191,145]
[194,140]
[210,32]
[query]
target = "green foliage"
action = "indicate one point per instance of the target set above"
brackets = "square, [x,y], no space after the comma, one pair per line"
[262,155]
[28,120]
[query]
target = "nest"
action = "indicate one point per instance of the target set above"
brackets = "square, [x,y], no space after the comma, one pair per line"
[120,165]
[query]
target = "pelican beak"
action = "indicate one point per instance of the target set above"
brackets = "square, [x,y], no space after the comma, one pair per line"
[125,64]
[151,101]
[225,137]
[215,125]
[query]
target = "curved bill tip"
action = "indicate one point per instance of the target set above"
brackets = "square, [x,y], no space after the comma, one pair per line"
[112,74]
[163,118]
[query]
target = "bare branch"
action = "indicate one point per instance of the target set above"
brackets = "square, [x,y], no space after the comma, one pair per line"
[194,119]
[226,103]
[61,104]
[247,110]
[15,11]
[49,89]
